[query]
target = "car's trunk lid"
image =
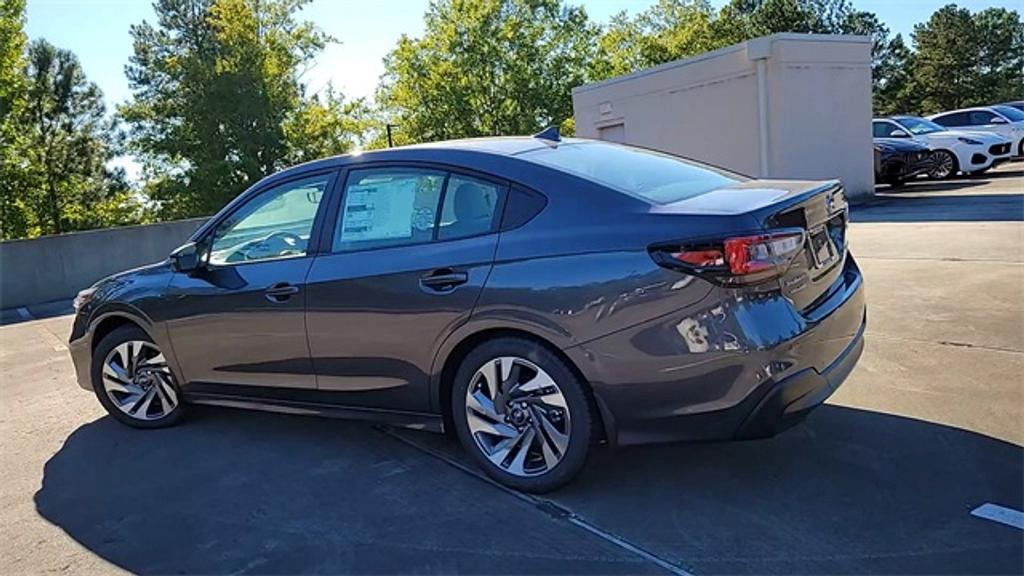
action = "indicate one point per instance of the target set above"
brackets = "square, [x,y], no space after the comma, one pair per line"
[819,209]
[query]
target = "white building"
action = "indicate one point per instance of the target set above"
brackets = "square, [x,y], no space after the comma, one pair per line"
[781,106]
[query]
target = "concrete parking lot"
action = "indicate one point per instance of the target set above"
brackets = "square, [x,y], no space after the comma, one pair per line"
[882,479]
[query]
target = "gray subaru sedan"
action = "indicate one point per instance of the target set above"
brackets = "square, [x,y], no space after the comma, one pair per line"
[538,297]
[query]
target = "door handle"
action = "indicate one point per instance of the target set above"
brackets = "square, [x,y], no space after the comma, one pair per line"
[444,279]
[281,292]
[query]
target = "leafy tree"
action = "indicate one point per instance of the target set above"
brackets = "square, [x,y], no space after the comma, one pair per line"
[217,99]
[67,143]
[669,30]
[946,72]
[487,67]
[894,92]
[1001,55]
[13,212]
[326,125]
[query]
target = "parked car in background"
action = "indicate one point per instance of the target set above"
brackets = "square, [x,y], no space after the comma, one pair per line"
[1005,121]
[1018,104]
[537,296]
[900,159]
[953,151]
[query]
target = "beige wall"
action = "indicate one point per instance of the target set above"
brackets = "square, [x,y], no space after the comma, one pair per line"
[817,99]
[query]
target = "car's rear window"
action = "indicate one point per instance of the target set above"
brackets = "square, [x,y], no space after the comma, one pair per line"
[652,176]
[1012,113]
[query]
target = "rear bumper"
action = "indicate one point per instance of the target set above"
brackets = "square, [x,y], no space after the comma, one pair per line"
[731,366]
[787,402]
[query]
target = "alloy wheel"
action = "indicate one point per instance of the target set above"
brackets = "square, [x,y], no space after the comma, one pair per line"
[137,380]
[943,166]
[518,416]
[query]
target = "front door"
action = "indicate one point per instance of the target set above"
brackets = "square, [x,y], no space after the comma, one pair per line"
[411,251]
[240,318]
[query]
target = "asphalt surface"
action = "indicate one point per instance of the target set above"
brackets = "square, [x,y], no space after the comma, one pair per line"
[882,479]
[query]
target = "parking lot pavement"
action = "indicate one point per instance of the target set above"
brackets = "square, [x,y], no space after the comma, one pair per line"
[882,479]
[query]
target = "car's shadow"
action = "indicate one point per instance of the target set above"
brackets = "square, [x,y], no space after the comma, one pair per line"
[851,490]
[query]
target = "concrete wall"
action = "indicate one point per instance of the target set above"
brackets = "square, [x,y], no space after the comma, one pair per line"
[57,267]
[782,106]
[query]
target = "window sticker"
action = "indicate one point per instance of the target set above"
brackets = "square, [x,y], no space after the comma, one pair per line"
[379,211]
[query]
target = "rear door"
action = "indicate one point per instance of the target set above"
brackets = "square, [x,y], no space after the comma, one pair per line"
[410,250]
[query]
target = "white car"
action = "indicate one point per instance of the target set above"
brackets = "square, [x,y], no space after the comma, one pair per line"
[953,150]
[1006,121]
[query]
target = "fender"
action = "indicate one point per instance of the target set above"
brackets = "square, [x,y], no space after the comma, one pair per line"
[521,320]
[156,331]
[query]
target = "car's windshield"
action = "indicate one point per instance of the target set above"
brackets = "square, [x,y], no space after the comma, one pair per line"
[919,126]
[1010,112]
[648,175]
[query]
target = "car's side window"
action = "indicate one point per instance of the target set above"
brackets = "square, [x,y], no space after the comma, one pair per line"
[470,207]
[388,207]
[955,119]
[981,117]
[884,129]
[275,224]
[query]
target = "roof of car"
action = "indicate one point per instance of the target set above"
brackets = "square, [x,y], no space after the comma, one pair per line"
[506,145]
[944,112]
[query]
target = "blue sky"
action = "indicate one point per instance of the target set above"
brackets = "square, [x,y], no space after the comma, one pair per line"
[97,30]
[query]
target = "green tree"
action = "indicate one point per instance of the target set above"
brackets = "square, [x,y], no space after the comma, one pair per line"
[326,125]
[13,211]
[894,92]
[946,73]
[218,102]
[487,67]
[1001,55]
[668,30]
[67,144]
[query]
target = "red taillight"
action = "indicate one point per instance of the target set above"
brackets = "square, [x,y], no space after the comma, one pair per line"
[700,258]
[754,257]
[751,254]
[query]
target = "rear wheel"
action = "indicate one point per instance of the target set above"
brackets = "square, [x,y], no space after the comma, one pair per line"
[522,414]
[132,381]
[946,165]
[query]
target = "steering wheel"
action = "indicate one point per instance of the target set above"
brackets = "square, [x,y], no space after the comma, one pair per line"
[272,245]
[288,238]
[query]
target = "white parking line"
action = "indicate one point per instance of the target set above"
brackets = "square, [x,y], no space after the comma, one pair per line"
[1001,514]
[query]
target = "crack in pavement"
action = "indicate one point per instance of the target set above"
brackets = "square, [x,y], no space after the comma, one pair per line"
[946,343]
[548,507]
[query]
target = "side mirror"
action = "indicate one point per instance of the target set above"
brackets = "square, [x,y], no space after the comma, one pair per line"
[998,120]
[185,258]
[898,134]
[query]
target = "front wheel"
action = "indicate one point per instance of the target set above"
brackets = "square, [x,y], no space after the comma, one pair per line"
[132,381]
[522,414]
[945,165]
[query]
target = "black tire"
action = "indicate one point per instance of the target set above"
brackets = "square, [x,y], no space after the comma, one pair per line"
[112,340]
[939,156]
[577,400]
